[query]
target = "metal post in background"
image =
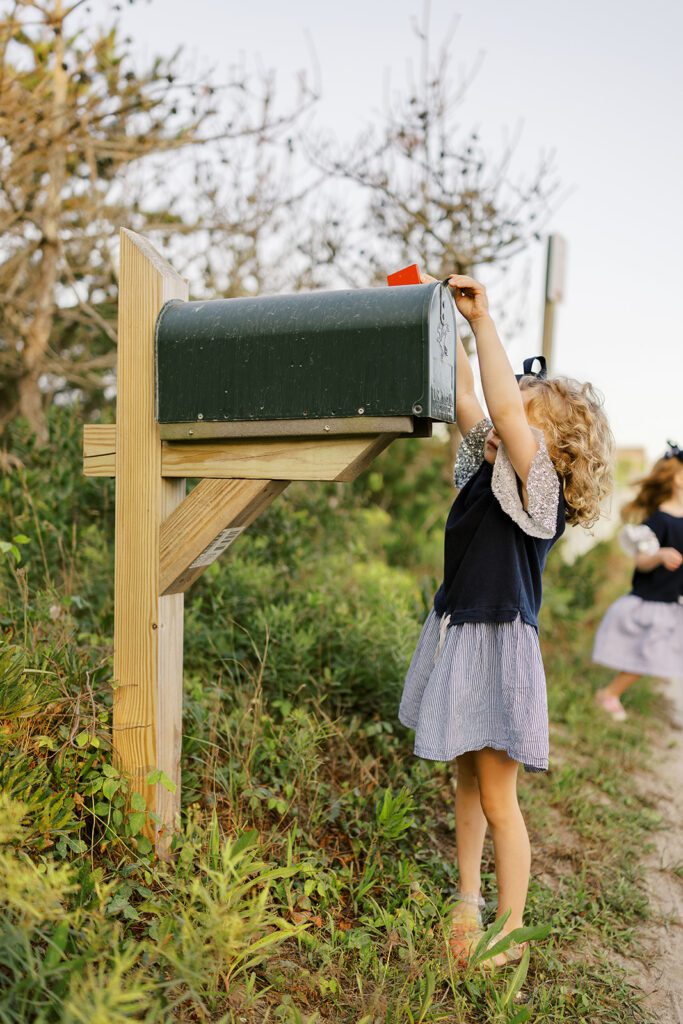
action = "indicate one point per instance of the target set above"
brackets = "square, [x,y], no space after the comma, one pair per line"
[555,273]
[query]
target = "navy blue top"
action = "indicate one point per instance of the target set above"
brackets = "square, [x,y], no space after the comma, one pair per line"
[662,584]
[492,568]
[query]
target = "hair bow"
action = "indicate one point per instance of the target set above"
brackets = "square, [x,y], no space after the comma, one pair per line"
[528,366]
[674,452]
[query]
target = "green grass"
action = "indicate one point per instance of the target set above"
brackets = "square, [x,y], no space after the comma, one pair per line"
[315,864]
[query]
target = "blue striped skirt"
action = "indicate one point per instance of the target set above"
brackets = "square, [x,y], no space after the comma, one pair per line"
[642,637]
[476,685]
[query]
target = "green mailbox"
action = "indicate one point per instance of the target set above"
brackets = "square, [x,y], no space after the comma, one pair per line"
[375,352]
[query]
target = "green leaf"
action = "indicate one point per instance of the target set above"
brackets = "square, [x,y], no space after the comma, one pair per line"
[144,845]
[167,782]
[157,776]
[46,741]
[518,977]
[82,738]
[244,842]
[10,549]
[480,952]
[520,935]
[56,945]
[521,1017]
[109,787]
[138,802]
[21,538]
[110,771]
[118,904]
[136,822]
[214,840]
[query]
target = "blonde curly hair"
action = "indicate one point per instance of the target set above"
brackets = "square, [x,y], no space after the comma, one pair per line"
[579,441]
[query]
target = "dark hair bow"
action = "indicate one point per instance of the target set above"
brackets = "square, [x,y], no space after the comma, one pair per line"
[528,366]
[674,452]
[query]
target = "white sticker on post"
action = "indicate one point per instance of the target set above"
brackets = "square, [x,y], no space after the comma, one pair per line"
[217,547]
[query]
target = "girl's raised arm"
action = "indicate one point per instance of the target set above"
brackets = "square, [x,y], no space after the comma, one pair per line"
[501,390]
[468,411]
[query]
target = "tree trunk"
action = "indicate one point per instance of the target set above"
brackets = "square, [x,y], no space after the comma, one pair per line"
[37,336]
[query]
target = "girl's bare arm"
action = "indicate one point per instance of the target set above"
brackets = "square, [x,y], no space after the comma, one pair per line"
[501,390]
[468,410]
[670,558]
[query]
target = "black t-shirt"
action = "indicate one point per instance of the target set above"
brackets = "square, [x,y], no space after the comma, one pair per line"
[492,569]
[662,584]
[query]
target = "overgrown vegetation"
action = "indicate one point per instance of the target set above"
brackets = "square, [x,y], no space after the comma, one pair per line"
[316,859]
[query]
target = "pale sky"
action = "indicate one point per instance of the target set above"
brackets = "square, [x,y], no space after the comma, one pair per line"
[599,82]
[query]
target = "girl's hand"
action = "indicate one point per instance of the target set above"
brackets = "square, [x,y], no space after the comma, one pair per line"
[670,558]
[427,278]
[470,297]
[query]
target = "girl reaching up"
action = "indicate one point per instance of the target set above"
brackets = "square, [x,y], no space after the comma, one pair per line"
[642,632]
[475,690]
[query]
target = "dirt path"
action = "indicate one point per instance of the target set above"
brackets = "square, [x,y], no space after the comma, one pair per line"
[662,974]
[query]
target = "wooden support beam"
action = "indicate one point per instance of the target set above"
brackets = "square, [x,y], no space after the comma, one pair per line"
[373,447]
[288,458]
[212,516]
[147,713]
[296,458]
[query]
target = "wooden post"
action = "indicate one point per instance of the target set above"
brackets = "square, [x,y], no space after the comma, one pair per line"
[148,628]
[555,272]
[548,332]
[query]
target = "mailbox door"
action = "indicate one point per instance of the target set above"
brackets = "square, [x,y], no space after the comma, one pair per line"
[441,354]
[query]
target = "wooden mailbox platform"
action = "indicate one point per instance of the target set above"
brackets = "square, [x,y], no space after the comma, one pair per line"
[165,538]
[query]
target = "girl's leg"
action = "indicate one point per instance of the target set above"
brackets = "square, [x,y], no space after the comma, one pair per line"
[620,684]
[470,825]
[497,778]
[470,829]
[608,698]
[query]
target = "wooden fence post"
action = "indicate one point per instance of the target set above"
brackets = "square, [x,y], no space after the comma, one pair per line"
[148,628]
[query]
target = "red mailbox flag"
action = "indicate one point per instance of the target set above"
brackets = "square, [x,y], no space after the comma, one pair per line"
[408,275]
